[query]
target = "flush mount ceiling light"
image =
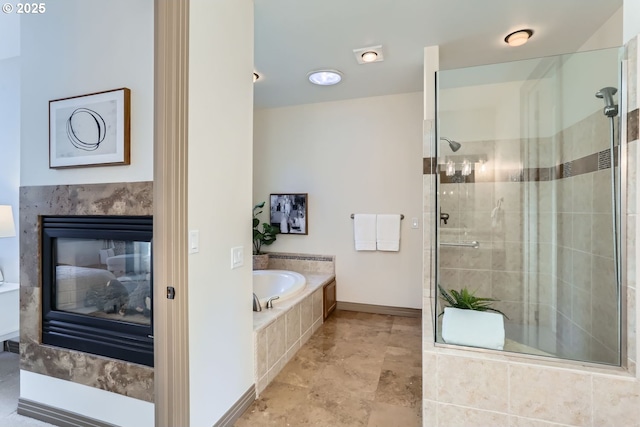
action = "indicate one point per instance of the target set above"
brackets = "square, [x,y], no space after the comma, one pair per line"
[367,55]
[325,77]
[518,38]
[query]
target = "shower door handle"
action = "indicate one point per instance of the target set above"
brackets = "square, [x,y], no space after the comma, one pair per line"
[474,244]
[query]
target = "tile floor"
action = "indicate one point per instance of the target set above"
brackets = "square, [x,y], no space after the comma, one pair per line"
[358,369]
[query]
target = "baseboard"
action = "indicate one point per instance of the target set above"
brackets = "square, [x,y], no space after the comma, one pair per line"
[379,309]
[12,346]
[238,408]
[56,416]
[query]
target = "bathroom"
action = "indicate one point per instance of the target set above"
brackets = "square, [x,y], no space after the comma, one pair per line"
[330,156]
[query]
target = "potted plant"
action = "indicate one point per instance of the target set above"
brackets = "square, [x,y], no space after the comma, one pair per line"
[471,320]
[261,238]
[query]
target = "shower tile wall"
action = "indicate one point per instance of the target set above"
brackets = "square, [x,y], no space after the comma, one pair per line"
[488,209]
[535,232]
[585,275]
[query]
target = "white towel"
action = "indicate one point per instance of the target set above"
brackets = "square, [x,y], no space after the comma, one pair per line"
[388,232]
[364,232]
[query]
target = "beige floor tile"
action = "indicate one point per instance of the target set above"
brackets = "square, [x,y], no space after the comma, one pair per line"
[348,375]
[385,415]
[286,405]
[406,337]
[305,366]
[400,381]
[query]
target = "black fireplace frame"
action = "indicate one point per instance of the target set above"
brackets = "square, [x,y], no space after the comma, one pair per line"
[112,338]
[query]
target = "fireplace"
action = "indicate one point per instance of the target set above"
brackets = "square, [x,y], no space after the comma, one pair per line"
[97,282]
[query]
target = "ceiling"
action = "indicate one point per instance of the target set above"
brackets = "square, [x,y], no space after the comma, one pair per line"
[293,37]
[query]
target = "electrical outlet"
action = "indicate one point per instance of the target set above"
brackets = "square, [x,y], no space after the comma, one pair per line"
[237,257]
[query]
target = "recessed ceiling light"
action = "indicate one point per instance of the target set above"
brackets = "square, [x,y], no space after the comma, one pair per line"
[367,55]
[518,38]
[256,76]
[325,77]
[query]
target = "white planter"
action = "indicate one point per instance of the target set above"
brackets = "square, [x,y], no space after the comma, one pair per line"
[473,328]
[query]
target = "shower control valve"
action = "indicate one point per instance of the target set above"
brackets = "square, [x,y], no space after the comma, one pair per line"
[444,217]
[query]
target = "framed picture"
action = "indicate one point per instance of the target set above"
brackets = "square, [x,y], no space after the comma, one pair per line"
[90,130]
[289,212]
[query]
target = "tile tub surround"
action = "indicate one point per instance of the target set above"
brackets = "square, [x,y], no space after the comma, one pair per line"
[281,331]
[112,375]
[302,263]
[537,391]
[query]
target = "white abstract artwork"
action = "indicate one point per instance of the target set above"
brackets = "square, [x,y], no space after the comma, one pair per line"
[90,130]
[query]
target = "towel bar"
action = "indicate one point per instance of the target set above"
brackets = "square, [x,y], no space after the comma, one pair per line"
[401,216]
[474,244]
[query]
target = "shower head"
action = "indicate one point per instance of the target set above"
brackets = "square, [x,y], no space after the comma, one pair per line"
[455,146]
[610,107]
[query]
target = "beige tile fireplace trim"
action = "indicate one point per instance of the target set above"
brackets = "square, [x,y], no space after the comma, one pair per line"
[128,379]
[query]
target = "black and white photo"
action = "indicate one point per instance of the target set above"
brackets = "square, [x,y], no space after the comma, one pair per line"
[289,213]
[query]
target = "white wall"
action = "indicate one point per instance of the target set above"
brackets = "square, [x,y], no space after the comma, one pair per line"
[80,47]
[355,156]
[10,169]
[220,147]
[631,24]
[608,35]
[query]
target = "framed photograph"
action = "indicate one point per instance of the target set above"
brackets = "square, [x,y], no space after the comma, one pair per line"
[289,213]
[90,130]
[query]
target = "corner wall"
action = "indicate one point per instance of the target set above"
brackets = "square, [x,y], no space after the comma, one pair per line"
[354,156]
[219,205]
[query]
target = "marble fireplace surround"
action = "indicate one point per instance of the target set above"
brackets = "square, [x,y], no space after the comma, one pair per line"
[136,198]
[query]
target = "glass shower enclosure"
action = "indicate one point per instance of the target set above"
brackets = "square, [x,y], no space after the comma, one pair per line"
[529,203]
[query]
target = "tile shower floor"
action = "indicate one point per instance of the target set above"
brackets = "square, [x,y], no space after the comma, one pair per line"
[358,369]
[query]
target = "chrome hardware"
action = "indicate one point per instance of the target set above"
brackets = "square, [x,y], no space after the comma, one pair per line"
[256,303]
[270,301]
[474,244]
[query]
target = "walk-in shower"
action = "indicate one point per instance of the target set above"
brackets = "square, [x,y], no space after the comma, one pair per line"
[532,193]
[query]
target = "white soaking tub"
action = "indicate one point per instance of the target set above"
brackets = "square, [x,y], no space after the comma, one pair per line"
[281,283]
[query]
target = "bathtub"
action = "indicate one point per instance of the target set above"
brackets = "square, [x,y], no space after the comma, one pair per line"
[282,283]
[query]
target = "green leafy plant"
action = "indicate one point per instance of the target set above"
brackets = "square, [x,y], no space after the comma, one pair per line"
[265,237]
[467,300]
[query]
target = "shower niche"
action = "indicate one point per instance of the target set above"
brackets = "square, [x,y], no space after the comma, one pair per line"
[528,177]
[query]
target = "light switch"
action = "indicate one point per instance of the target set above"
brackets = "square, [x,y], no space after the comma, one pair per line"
[237,257]
[194,241]
[414,222]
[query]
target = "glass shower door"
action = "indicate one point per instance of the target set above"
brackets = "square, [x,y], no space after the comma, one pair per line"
[524,191]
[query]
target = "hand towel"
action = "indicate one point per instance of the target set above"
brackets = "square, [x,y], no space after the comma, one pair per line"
[388,232]
[364,231]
